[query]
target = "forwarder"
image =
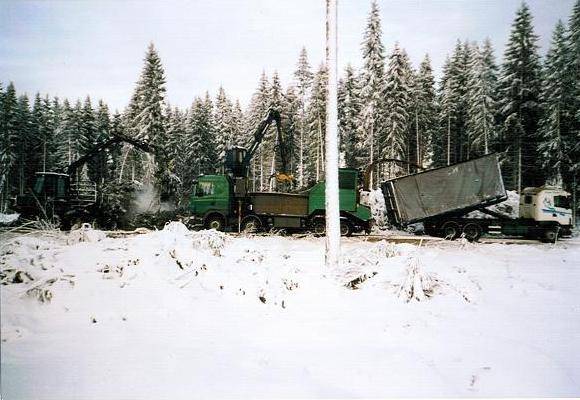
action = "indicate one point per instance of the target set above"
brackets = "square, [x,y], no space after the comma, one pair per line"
[223,202]
[59,195]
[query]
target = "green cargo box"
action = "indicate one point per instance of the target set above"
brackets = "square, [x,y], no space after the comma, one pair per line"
[286,204]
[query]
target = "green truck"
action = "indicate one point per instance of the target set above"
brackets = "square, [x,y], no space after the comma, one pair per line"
[223,202]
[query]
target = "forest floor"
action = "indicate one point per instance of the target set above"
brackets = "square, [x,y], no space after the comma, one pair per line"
[175,314]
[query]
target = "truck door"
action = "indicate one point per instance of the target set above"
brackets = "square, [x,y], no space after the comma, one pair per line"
[211,194]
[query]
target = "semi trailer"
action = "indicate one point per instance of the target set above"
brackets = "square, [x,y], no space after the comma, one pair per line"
[442,198]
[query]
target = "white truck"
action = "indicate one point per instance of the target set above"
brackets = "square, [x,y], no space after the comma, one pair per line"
[441,198]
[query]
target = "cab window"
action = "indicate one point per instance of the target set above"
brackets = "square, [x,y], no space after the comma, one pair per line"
[562,201]
[60,188]
[528,199]
[204,189]
[38,185]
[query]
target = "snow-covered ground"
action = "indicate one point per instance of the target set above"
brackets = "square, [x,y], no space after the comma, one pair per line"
[174,314]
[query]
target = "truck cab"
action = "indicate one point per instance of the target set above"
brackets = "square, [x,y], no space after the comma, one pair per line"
[212,199]
[547,205]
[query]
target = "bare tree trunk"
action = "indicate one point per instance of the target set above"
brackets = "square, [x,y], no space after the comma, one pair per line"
[331,139]
[448,140]
[301,167]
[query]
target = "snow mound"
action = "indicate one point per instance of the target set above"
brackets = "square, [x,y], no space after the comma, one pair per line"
[176,228]
[85,233]
[7,219]
[417,285]
[210,240]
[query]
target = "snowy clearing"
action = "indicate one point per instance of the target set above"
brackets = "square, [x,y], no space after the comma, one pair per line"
[175,314]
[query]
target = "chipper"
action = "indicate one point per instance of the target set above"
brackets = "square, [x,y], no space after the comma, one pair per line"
[223,202]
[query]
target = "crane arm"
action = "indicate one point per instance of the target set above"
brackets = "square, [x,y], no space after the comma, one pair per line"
[272,116]
[140,144]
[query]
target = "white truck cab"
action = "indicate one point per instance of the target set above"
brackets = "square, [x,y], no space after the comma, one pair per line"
[546,204]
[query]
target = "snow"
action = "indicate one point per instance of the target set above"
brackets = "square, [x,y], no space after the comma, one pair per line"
[376,201]
[175,314]
[7,219]
[509,207]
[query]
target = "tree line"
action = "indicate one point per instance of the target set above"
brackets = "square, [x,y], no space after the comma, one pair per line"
[527,108]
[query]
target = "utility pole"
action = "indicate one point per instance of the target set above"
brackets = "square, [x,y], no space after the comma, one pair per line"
[331,170]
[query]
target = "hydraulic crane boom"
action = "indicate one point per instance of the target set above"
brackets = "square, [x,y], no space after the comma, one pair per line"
[240,167]
[140,144]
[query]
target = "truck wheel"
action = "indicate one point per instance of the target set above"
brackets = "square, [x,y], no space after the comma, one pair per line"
[451,230]
[472,232]
[251,224]
[319,226]
[215,221]
[345,228]
[550,235]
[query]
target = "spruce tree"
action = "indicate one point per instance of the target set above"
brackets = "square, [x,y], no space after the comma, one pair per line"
[316,118]
[145,111]
[446,104]
[373,85]
[88,138]
[481,100]
[270,141]
[116,128]
[224,129]
[204,125]
[258,108]
[556,127]
[68,135]
[424,118]
[349,106]
[291,125]
[574,70]
[97,165]
[303,78]
[237,123]
[394,140]
[28,156]
[8,139]
[519,104]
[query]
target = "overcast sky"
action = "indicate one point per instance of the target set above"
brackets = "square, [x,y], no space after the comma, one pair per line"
[75,48]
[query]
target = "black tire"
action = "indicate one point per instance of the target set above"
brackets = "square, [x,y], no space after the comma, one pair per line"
[346,228]
[319,226]
[550,235]
[472,232]
[451,230]
[251,224]
[215,221]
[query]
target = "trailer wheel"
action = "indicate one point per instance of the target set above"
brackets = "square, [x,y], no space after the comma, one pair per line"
[319,226]
[215,221]
[251,224]
[451,230]
[472,232]
[346,228]
[550,234]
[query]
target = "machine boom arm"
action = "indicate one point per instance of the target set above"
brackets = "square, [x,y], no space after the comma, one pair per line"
[140,144]
[272,116]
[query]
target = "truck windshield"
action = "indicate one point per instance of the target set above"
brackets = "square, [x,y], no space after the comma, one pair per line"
[562,202]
